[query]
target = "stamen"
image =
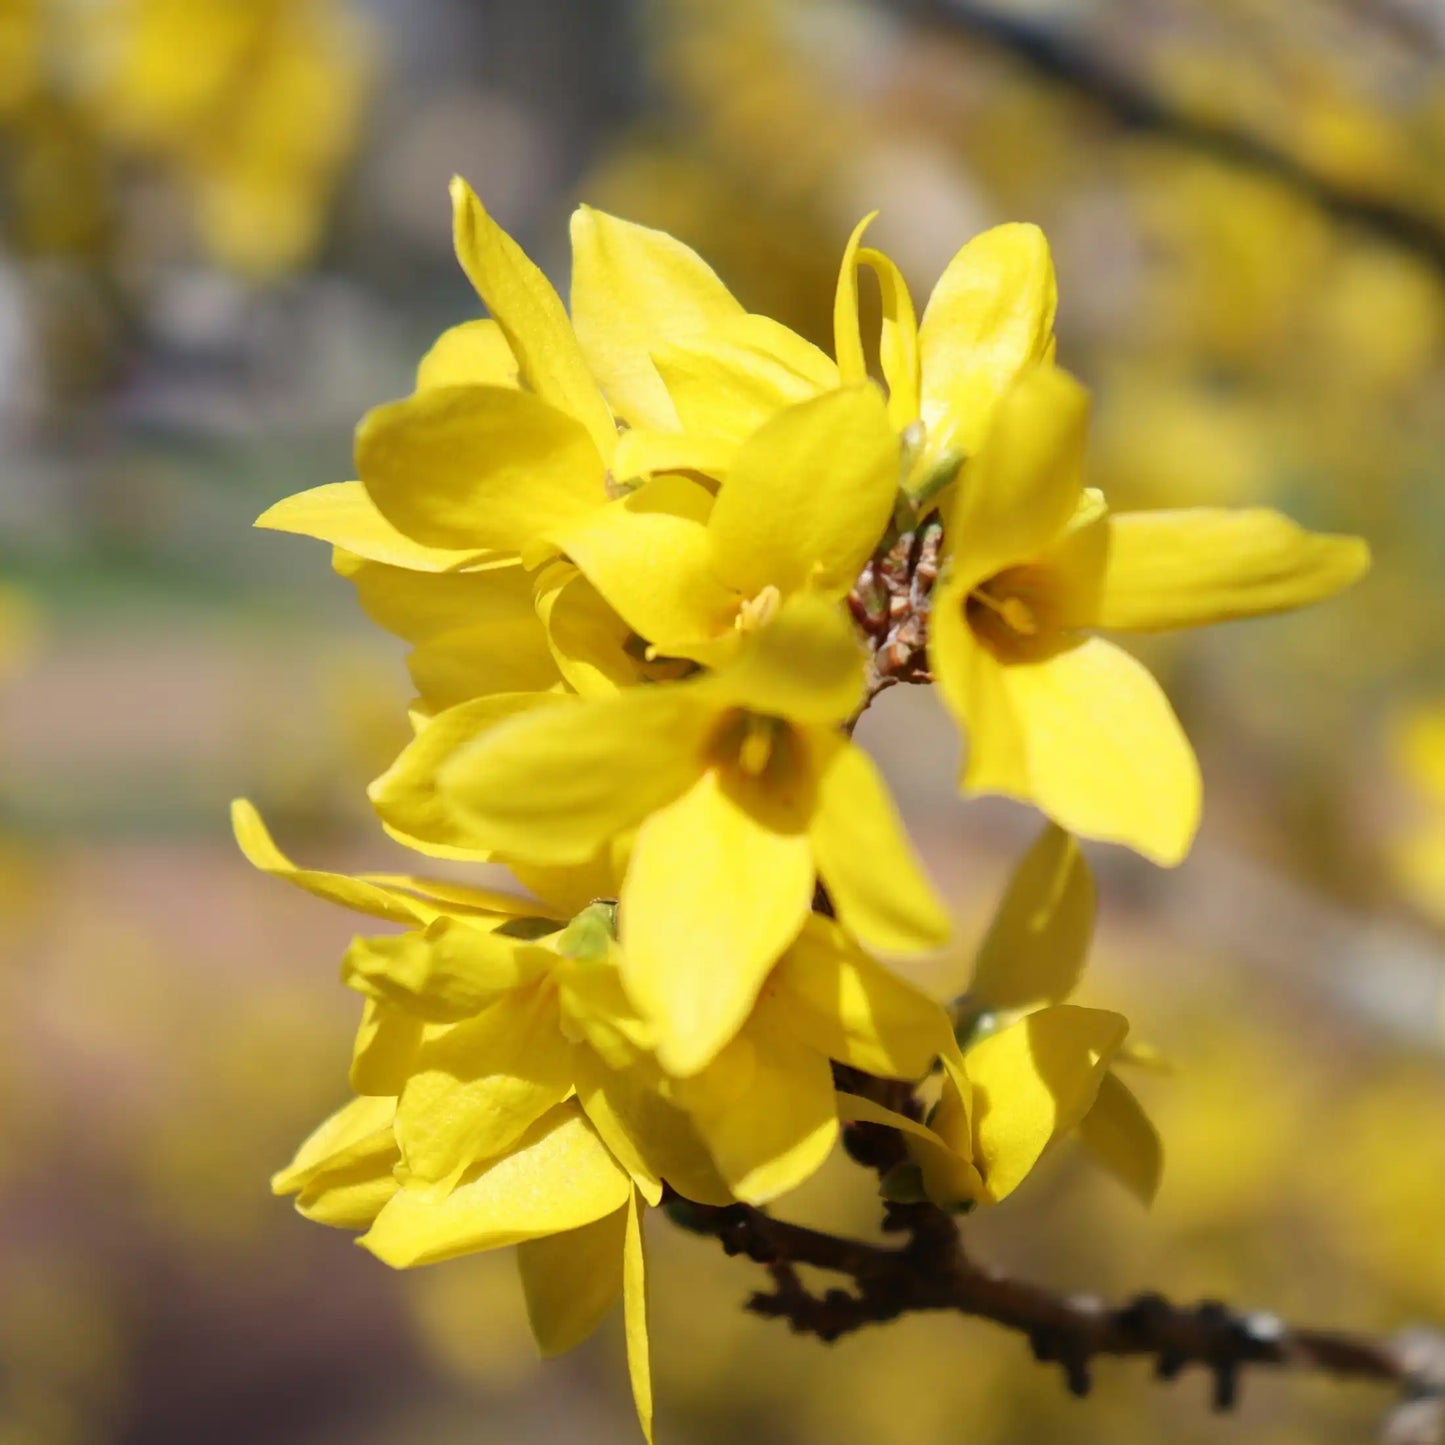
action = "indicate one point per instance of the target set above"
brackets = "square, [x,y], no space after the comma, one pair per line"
[756,612]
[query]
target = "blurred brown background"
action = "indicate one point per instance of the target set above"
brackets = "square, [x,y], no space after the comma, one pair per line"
[226,234]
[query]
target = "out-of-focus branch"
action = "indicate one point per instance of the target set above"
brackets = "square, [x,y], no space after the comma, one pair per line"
[1059,58]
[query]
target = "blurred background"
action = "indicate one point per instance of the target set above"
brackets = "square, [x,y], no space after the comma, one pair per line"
[226,234]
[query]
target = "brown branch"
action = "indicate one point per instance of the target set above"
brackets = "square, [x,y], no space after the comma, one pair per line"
[931,1272]
[1130,103]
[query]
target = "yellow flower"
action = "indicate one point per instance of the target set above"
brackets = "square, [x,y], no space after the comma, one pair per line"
[508,1095]
[1055,715]
[1033,957]
[1417,856]
[806,500]
[743,792]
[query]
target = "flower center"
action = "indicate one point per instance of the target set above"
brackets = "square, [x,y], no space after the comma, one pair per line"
[1015,613]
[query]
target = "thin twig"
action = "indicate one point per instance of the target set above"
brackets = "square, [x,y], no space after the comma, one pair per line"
[931,1272]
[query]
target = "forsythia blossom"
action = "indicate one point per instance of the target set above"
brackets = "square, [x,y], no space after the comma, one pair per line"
[626,547]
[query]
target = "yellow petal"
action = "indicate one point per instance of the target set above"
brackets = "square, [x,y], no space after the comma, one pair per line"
[530,313]
[472,354]
[806,665]
[480,1085]
[633,288]
[554,786]
[898,352]
[386,1046]
[727,384]
[643,453]
[764,1107]
[898,343]
[1033,1081]
[1188,568]
[571,1280]
[593,648]
[864,857]
[343,1174]
[477,467]
[506,655]
[634,1309]
[990,317]
[1117,1132]
[557,1176]
[808,496]
[420,605]
[406,795]
[1036,947]
[847,330]
[343,514]
[849,1007]
[974,688]
[1024,487]
[1107,758]
[713,896]
[335,1140]
[651,559]
[261,852]
[650,1135]
[450,972]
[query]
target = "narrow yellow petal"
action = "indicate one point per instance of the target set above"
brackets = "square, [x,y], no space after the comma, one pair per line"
[808,496]
[876,882]
[1107,758]
[634,1310]
[406,795]
[571,1280]
[990,317]
[1118,1133]
[624,757]
[1033,1081]
[557,1176]
[1036,947]
[633,288]
[343,514]
[764,1107]
[1188,568]
[898,352]
[472,354]
[849,1007]
[713,896]
[1024,487]
[477,467]
[530,313]
[261,852]
[847,330]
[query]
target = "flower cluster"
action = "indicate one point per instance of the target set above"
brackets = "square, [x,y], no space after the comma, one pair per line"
[653,561]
